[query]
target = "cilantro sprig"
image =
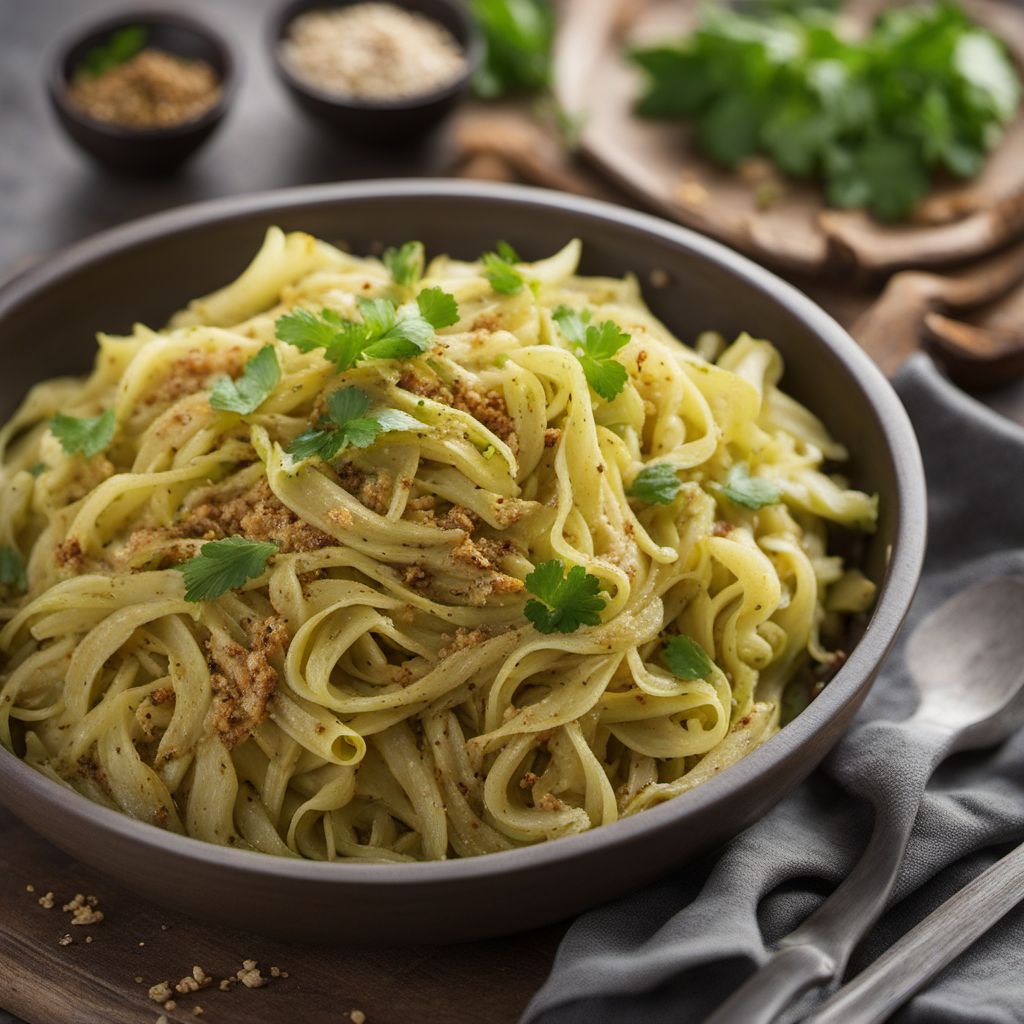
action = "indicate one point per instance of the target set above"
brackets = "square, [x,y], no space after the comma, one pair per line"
[382,333]
[875,119]
[563,603]
[749,491]
[500,269]
[224,565]
[12,569]
[686,659]
[349,424]
[87,435]
[655,485]
[405,264]
[246,394]
[595,345]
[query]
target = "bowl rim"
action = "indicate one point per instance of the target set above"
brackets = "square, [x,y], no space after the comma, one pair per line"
[57,81]
[281,17]
[895,594]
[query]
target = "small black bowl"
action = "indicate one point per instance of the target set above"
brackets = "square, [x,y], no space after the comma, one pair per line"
[391,121]
[142,151]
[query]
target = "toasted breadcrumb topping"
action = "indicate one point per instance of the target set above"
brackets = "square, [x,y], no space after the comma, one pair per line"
[244,681]
[486,407]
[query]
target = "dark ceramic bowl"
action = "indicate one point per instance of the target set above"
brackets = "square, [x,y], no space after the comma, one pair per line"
[386,121]
[140,151]
[146,270]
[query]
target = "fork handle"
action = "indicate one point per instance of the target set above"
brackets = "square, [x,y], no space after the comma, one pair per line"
[819,949]
[909,964]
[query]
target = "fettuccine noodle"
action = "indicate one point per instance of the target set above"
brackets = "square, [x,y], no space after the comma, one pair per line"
[377,691]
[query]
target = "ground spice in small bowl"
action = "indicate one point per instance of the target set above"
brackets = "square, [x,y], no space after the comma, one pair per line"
[152,89]
[372,51]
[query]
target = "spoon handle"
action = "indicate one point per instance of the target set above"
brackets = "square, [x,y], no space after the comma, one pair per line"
[819,949]
[914,960]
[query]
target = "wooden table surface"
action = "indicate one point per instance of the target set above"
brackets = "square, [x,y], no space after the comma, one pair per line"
[51,196]
[94,982]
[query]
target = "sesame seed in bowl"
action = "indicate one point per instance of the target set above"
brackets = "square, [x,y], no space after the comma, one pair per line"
[375,51]
[377,70]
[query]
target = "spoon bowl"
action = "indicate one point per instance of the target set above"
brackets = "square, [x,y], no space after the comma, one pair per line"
[966,660]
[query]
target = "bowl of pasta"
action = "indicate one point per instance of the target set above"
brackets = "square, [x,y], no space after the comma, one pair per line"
[429,560]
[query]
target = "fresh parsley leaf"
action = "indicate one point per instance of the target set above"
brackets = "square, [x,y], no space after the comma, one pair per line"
[378,315]
[502,273]
[686,659]
[656,485]
[12,570]
[518,36]
[595,345]
[307,331]
[750,491]
[120,47]
[38,469]
[224,565]
[438,307]
[347,425]
[253,387]
[381,334]
[563,604]
[405,264]
[87,436]
[407,338]
[572,323]
[507,252]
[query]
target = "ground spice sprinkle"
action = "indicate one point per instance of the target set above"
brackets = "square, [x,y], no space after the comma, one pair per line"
[153,89]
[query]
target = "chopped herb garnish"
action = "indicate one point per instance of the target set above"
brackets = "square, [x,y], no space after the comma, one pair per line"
[563,603]
[86,436]
[252,388]
[347,425]
[12,569]
[501,271]
[686,659]
[382,334]
[224,565]
[38,469]
[438,308]
[507,252]
[120,47]
[595,346]
[656,485]
[405,264]
[749,491]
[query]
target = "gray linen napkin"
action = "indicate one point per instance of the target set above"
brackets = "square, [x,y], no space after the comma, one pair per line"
[674,951]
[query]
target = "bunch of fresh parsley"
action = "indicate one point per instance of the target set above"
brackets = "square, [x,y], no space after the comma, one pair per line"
[926,92]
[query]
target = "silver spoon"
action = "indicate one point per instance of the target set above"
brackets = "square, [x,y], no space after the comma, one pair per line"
[967,660]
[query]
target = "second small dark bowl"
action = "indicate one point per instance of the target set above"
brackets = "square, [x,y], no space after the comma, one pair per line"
[391,121]
[142,151]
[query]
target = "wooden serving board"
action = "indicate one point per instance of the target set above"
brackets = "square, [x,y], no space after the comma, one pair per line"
[45,982]
[658,163]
